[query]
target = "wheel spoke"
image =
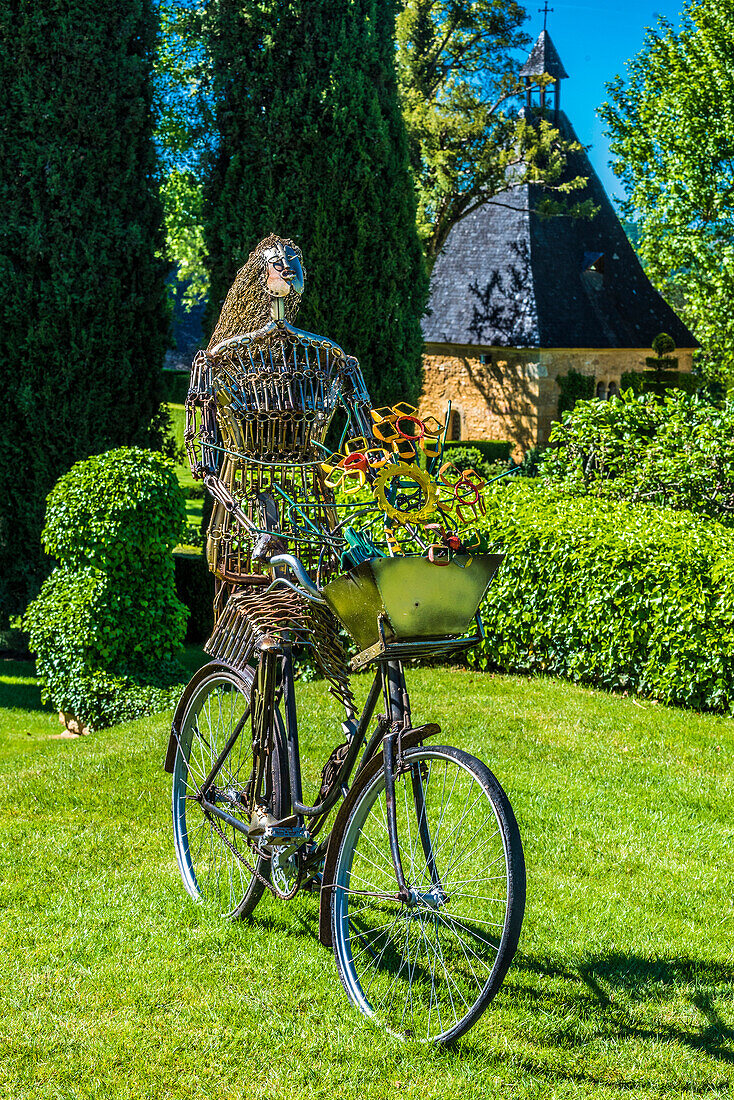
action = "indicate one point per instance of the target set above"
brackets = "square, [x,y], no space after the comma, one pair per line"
[207,848]
[429,968]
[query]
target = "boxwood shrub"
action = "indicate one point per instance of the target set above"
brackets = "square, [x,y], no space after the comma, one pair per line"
[619,595]
[106,625]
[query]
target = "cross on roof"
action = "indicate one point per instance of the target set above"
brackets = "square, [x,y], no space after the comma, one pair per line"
[544,12]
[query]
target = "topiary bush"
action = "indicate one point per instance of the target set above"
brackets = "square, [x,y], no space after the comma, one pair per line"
[621,596]
[107,624]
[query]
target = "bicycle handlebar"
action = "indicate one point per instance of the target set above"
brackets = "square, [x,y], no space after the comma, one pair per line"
[301,575]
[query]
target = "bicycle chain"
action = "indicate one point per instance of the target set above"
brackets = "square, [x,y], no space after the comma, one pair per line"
[236,852]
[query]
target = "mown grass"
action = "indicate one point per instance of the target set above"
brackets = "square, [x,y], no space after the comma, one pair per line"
[113,984]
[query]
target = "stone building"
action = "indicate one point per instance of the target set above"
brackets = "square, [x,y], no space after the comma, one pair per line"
[517,300]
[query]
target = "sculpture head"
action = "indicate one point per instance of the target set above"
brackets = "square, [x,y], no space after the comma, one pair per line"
[274,269]
[283,270]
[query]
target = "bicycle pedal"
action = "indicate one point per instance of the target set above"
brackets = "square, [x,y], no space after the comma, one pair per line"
[276,835]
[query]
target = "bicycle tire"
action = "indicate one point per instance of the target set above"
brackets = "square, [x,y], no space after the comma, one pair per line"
[410,967]
[210,870]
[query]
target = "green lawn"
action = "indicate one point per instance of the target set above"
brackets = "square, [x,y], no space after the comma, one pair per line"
[113,984]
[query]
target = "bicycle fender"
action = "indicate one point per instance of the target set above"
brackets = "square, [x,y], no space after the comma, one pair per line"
[193,684]
[409,739]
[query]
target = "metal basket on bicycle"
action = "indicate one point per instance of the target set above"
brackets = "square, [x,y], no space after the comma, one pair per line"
[409,606]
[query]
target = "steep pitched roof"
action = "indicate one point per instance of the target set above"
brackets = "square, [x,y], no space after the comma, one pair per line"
[509,278]
[544,59]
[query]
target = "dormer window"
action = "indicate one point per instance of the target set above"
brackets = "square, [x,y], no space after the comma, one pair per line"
[592,270]
[593,261]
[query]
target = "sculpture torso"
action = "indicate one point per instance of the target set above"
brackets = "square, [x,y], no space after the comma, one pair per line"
[276,394]
[271,395]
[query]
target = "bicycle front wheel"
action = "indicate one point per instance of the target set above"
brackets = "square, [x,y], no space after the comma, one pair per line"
[208,850]
[428,968]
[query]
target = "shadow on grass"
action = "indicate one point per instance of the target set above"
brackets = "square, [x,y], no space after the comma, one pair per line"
[18,696]
[611,987]
[606,987]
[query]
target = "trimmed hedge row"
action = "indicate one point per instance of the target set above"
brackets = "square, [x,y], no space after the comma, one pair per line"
[195,589]
[616,595]
[491,450]
[175,386]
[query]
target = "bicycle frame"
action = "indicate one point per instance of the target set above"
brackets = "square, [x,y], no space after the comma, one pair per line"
[389,681]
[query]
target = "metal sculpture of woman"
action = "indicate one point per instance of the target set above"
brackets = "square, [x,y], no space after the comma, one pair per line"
[260,402]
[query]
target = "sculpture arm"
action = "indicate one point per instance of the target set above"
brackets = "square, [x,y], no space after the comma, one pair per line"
[201,434]
[356,398]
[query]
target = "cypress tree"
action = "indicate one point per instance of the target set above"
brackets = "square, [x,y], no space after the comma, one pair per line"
[312,146]
[83,314]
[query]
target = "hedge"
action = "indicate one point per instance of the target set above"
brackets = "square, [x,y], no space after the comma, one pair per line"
[491,450]
[175,386]
[621,596]
[195,589]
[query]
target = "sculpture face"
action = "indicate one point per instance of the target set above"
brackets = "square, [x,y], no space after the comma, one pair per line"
[283,271]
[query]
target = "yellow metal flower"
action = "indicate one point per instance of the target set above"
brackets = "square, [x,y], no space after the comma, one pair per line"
[411,479]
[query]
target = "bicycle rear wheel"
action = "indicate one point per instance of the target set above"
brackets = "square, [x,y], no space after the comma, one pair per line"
[207,848]
[429,968]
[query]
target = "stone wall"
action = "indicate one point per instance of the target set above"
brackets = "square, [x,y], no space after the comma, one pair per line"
[514,394]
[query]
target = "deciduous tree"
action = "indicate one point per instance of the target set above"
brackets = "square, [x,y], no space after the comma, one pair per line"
[458,84]
[671,124]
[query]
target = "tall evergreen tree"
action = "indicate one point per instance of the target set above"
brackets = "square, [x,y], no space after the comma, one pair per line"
[313,146]
[83,315]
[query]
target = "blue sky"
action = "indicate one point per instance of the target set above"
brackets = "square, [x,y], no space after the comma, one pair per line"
[594,42]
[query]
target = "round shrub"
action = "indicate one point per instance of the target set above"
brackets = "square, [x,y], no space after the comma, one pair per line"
[107,624]
[114,507]
[465,458]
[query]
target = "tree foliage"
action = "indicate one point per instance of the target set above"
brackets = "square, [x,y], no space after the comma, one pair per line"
[183,132]
[671,128]
[459,87]
[677,452]
[312,145]
[83,319]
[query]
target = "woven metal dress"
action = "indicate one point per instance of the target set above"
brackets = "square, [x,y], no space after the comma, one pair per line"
[259,404]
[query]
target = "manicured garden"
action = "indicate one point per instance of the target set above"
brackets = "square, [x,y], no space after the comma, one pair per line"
[115,985]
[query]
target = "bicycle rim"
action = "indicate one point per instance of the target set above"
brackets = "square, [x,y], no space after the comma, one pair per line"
[206,846]
[428,970]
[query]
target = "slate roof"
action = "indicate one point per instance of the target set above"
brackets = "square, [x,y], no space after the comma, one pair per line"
[508,278]
[544,59]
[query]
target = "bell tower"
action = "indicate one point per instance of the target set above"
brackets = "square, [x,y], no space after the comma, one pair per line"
[543,61]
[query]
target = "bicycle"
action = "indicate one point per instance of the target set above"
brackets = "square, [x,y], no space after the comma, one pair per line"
[421,876]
